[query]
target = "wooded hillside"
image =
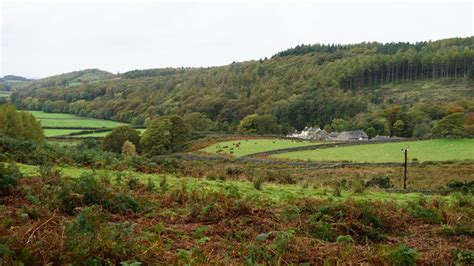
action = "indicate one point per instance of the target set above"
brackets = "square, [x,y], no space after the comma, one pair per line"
[305,85]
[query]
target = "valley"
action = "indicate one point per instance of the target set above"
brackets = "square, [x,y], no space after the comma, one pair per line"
[292,159]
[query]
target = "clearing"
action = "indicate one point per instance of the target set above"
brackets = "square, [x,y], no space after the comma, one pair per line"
[5,94]
[61,120]
[59,132]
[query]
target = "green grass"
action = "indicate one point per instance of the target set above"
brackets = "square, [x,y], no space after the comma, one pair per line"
[270,191]
[250,146]
[41,114]
[5,94]
[59,132]
[425,150]
[73,121]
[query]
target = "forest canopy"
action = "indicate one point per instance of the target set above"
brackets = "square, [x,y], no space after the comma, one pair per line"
[309,85]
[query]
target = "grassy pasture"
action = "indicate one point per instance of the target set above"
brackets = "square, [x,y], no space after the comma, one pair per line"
[248,146]
[43,115]
[425,150]
[73,121]
[5,94]
[277,193]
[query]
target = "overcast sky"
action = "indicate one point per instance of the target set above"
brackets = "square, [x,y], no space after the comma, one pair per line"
[43,39]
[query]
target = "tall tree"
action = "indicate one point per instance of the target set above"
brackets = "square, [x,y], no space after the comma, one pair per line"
[20,125]
[451,125]
[165,134]
[115,140]
[259,124]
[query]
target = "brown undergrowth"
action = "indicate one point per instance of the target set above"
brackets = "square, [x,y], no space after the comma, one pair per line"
[420,177]
[108,220]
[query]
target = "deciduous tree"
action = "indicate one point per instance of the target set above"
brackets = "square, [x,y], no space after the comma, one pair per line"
[115,140]
[165,134]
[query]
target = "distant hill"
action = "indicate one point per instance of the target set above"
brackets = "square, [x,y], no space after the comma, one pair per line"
[13,78]
[305,85]
[69,79]
[9,81]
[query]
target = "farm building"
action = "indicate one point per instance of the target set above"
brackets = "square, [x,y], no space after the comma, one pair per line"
[352,136]
[332,136]
[310,133]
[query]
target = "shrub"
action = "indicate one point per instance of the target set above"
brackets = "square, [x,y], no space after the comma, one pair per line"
[358,186]
[258,182]
[88,144]
[150,186]
[164,183]
[90,237]
[282,241]
[123,204]
[168,164]
[463,200]
[459,186]
[133,182]
[129,149]
[337,188]
[344,239]
[9,176]
[291,213]
[403,256]
[320,229]
[89,190]
[282,178]
[379,181]
[464,257]
[427,213]
[457,230]
[200,231]
[114,142]
[48,170]
[234,171]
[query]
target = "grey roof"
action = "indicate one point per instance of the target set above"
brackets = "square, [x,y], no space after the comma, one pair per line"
[352,135]
[378,137]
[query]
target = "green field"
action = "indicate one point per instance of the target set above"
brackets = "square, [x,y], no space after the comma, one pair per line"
[59,132]
[43,115]
[249,146]
[5,94]
[425,150]
[72,121]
